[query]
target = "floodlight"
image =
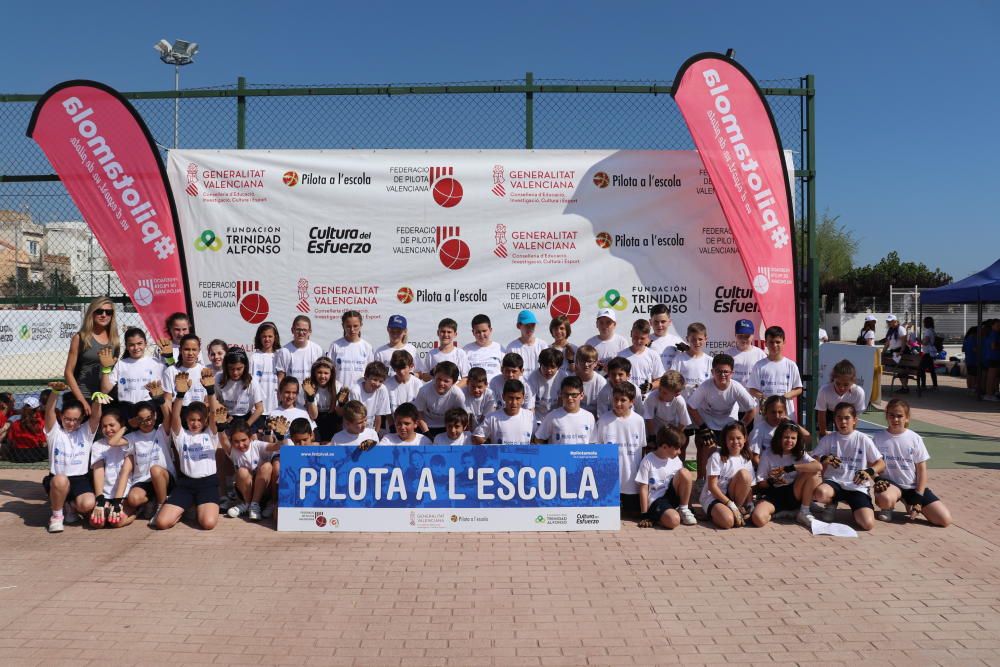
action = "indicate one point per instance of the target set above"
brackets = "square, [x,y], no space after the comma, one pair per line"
[181,53]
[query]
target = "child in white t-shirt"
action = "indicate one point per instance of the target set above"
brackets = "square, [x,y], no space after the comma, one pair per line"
[371,391]
[727,495]
[775,413]
[435,398]
[446,350]
[693,364]
[663,341]
[840,389]
[905,476]
[512,368]
[545,382]
[569,424]
[456,425]
[112,473]
[322,399]
[237,389]
[407,418]
[618,372]
[350,353]
[195,444]
[131,373]
[623,427]
[664,483]
[607,343]
[251,460]
[646,367]
[398,332]
[745,354]
[357,432]
[511,426]
[527,346]
[297,357]
[776,374]
[560,329]
[190,352]
[68,484]
[787,478]
[484,352]
[216,353]
[716,403]
[667,407]
[479,399]
[404,384]
[593,382]
[153,472]
[850,462]
[265,346]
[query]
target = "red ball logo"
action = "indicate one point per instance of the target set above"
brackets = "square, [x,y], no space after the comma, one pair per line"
[404,294]
[254,308]
[603,240]
[447,192]
[565,304]
[601,179]
[291,178]
[454,254]
[321,521]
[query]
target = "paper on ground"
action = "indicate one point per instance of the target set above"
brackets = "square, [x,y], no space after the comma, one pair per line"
[835,529]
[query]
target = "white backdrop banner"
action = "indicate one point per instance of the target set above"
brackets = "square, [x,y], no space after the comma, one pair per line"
[269,235]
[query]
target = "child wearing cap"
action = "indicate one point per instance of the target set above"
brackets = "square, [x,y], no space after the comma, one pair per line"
[527,345]
[607,343]
[745,354]
[397,341]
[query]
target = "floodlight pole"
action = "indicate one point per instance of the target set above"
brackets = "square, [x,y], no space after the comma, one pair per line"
[177,103]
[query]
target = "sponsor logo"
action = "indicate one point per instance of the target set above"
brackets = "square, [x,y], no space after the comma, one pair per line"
[207,240]
[192,180]
[534,186]
[645,297]
[454,518]
[404,295]
[446,190]
[771,275]
[718,241]
[290,178]
[24,333]
[601,180]
[500,238]
[613,299]
[334,522]
[328,301]
[589,519]
[561,302]
[320,520]
[409,295]
[498,181]
[242,295]
[706,187]
[329,240]
[539,519]
[734,299]
[228,186]
[603,240]
[144,293]
[254,308]
[452,251]
[302,305]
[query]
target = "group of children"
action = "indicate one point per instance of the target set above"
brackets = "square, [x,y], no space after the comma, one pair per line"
[185,434]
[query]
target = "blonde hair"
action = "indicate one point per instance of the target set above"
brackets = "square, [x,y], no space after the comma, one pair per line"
[86,331]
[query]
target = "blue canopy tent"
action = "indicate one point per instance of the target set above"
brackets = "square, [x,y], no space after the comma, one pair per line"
[979,288]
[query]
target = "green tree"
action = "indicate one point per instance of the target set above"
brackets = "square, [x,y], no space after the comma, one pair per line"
[876,279]
[835,249]
[55,286]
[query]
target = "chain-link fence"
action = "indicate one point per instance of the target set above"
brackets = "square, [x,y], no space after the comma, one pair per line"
[50,262]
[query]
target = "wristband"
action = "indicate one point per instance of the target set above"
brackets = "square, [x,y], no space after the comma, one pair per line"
[789,468]
[100,501]
[169,360]
[210,390]
[107,371]
[158,400]
[310,399]
[179,394]
[871,472]
[732,506]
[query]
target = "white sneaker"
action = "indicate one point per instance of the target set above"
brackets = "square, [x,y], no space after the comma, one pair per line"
[236,510]
[152,519]
[884,515]
[69,515]
[55,524]
[687,516]
[269,510]
[253,513]
[805,518]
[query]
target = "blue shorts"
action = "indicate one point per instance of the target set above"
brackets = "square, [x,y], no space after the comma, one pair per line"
[856,500]
[194,491]
[78,485]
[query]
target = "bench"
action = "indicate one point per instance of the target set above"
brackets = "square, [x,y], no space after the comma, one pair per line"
[907,367]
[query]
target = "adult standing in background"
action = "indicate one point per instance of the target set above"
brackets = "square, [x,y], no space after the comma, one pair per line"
[83,368]
[928,348]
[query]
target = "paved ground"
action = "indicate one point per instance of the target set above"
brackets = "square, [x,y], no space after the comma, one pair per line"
[903,594]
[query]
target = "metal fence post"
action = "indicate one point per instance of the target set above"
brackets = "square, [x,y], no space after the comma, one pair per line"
[812,385]
[529,110]
[241,114]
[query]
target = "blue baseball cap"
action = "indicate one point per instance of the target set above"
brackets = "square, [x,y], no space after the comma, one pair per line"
[526,317]
[744,327]
[396,322]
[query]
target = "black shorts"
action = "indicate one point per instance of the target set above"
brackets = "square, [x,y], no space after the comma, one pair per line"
[194,491]
[147,486]
[856,500]
[78,485]
[668,501]
[994,363]
[911,497]
[971,370]
[629,503]
[782,497]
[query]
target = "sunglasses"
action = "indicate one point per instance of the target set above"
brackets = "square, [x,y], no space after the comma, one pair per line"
[105,311]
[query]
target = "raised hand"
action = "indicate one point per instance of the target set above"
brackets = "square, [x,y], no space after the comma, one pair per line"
[107,357]
[100,397]
[367,444]
[166,347]
[155,389]
[279,425]
[309,387]
[342,396]
[182,382]
[58,386]
[207,378]
[98,514]
[221,414]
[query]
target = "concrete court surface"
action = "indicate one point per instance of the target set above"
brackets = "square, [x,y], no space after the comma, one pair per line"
[904,594]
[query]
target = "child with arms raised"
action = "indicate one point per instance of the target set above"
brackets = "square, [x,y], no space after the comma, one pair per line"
[70,440]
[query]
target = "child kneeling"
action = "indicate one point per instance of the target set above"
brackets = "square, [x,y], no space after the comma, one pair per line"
[664,483]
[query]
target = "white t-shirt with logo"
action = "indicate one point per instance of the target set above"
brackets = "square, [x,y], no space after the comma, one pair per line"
[479,407]
[629,433]
[725,471]
[657,474]
[488,358]
[669,413]
[69,451]
[761,436]
[718,407]
[828,398]
[376,402]
[769,461]
[646,366]
[394,440]
[464,439]
[743,362]
[855,452]
[567,428]
[607,349]
[297,362]
[499,428]
[196,452]
[545,391]
[529,353]
[496,387]
[239,400]
[902,453]
[776,378]
[148,450]
[694,370]
[433,405]
[195,393]
[435,356]
[384,354]
[262,369]
[350,359]
[402,393]
[591,390]
[606,396]
[132,375]
[666,347]
[114,458]
[251,458]
[347,438]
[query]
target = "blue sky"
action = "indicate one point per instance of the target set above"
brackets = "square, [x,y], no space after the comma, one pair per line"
[907,92]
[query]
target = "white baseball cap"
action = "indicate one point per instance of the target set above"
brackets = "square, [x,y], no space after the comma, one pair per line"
[607,312]
[891,318]
[31,402]
[870,318]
